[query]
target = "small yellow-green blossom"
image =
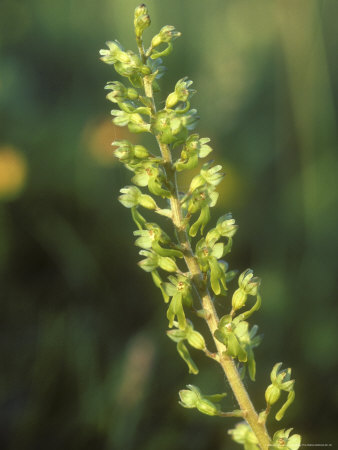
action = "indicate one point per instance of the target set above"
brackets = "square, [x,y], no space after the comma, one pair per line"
[187,261]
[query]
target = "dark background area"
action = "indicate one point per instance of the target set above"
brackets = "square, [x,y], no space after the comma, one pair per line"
[85,362]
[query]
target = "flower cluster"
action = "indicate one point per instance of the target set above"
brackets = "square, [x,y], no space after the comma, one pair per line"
[190,272]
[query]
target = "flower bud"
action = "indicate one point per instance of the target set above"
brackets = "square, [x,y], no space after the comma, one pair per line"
[141,22]
[181,93]
[140,10]
[166,34]
[282,379]
[147,202]
[150,262]
[226,226]
[272,394]
[249,283]
[125,150]
[207,407]
[196,340]
[239,299]
[167,264]
[110,56]
[130,196]
[172,100]
[140,151]
[189,399]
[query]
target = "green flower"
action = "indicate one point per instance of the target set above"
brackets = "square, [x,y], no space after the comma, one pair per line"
[179,289]
[193,337]
[149,174]
[127,64]
[152,237]
[280,382]
[132,196]
[152,261]
[207,257]
[226,227]
[182,93]
[134,120]
[141,20]
[166,35]
[130,154]
[172,127]
[206,404]
[119,93]
[209,176]
[201,200]
[239,341]
[283,441]
[243,434]
[248,285]
[193,148]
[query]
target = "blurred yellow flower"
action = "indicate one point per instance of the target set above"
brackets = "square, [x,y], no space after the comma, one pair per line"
[13,172]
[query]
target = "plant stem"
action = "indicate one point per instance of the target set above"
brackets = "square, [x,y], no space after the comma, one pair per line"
[227,363]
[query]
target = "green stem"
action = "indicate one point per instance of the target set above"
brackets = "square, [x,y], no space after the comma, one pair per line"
[212,320]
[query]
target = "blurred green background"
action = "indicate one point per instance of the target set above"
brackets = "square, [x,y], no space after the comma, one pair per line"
[85,362]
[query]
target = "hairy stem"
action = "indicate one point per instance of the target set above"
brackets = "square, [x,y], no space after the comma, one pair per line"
[211,317]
